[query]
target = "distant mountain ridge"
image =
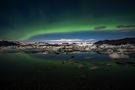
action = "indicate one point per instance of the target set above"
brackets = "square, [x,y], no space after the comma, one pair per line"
[8,43]
[117,42]
[110,42]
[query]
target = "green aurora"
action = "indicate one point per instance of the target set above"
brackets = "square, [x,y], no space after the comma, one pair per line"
[25,33]
[24,19]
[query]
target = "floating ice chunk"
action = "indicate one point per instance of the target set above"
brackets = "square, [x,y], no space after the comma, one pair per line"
[118,56]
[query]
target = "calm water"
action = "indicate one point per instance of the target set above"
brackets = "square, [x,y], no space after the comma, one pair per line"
[71,71]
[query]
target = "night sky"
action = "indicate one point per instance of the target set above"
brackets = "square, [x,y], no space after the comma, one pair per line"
[40,20]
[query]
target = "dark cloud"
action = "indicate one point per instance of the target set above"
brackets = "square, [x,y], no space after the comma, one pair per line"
[100,27]
[126,26]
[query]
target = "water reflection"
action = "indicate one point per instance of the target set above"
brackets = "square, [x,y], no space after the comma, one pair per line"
[52,69]
[80,56]
[90,57]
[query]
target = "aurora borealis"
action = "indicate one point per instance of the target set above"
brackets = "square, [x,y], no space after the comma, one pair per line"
[67,44]
[27,19]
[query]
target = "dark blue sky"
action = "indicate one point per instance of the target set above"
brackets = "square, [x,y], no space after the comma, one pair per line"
[46,19]
[97,35]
